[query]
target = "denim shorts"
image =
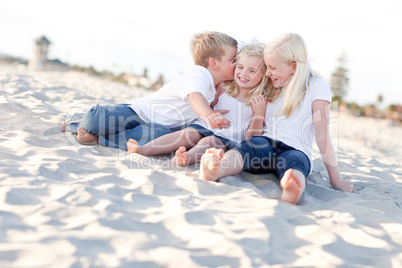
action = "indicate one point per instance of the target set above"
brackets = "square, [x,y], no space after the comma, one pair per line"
[107,119]
[116,124]
[207,133]
[264,155]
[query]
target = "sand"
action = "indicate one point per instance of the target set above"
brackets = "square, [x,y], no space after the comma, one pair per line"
[63,204]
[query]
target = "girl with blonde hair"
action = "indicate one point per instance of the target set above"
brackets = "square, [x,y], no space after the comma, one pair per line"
[297,112]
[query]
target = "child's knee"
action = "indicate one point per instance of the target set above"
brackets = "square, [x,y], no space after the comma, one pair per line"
[91,119]
[94,112]
[192,135]
[211,141]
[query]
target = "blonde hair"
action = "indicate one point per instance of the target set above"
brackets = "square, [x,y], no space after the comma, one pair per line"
[232,88]
[291,48]
[208,45]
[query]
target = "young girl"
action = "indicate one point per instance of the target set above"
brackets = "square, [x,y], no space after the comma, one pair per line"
[246,104]
[298,110]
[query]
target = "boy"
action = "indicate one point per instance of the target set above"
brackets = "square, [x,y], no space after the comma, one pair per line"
[172,107]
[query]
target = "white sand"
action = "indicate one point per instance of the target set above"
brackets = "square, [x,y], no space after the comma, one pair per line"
[67,205]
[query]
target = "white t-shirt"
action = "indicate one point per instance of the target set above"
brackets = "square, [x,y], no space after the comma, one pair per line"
[240,115]
[170,105]
[297,130]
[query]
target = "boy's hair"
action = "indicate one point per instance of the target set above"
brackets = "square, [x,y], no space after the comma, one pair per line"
[291,48]
[208,45]
[260,89]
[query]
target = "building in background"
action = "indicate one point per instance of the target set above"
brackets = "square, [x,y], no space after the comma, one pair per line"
[39,60]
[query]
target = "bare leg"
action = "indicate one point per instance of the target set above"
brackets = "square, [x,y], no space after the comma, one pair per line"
[86,138]
[216,164]
[293,184]
[168,143]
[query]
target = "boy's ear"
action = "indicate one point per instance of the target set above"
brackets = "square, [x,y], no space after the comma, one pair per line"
[212,63]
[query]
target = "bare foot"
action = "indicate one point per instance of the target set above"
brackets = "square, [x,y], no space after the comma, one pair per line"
[132,146]
[86,138]
[180,157]
[292,186]
[210,164]
[63,127]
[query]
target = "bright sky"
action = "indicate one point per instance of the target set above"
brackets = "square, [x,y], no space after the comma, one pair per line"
[124,35]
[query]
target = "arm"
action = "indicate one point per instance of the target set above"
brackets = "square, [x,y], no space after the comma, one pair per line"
[321,120]
[213,118]
[220,89]
[259,105]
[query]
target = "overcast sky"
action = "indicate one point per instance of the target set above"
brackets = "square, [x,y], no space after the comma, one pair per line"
[130,35]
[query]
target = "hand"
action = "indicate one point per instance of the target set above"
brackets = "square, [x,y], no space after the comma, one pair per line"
[218,120]
[345,186]
[259,105]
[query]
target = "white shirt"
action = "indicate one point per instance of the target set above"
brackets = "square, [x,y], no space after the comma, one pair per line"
[297,130]
[170,105]
[240,115]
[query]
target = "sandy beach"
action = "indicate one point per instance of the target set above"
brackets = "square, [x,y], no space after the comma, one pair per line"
[63,204]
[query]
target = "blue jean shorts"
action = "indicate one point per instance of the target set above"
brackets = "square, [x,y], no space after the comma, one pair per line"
[264,155]
[116,124]
[207,133]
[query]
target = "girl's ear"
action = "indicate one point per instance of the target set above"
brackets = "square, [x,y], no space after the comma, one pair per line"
[212,63]
[294,67]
